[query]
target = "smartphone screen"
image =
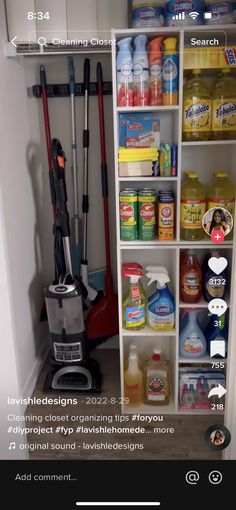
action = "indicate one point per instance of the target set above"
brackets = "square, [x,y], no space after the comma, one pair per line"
[117,243]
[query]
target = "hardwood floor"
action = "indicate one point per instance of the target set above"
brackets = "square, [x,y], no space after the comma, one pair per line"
[187,443]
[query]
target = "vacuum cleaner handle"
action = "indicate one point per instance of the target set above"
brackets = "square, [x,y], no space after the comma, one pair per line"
[58,159]
[43,83]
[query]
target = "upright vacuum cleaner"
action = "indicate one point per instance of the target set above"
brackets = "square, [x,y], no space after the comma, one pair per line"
[71,367]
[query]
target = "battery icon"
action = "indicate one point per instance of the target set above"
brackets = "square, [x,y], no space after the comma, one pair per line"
[207,15]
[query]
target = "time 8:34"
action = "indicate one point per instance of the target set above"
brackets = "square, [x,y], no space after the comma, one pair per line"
[39,16]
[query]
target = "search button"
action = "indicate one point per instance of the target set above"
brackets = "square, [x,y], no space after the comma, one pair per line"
[192,477]
[42,41]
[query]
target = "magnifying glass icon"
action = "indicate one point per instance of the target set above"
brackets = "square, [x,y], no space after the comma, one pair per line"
[42,41]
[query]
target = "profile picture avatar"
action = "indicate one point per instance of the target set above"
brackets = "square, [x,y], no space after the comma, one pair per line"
[217,437]
[217,219]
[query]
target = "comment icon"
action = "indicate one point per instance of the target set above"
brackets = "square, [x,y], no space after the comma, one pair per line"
[217,307]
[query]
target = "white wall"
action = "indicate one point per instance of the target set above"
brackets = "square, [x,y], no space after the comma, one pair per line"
[20,259]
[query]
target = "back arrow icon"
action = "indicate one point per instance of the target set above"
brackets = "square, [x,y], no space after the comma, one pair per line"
[218,390]
[12,41]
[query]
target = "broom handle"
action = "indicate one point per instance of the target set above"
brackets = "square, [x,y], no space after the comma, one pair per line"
[43,83]
[104,173]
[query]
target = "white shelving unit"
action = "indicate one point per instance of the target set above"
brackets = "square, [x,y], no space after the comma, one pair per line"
[204,158]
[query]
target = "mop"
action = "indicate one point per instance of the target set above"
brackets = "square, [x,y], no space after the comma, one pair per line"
[93,294]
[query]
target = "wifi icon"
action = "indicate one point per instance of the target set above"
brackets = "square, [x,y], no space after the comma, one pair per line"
[194,14]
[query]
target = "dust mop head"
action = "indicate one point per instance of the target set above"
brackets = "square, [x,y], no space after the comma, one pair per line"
[102,320]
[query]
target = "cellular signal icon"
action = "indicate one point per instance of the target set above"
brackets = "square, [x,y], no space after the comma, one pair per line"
[180,16]
[194,14]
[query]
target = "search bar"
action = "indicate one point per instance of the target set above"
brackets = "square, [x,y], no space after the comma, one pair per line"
[117,503]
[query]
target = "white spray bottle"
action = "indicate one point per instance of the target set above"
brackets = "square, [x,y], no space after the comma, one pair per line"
[141,71]
[161,306]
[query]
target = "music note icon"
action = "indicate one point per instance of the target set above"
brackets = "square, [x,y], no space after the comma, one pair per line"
[12,446]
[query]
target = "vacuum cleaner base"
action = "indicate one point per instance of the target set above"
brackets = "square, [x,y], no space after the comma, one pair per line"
[85,378]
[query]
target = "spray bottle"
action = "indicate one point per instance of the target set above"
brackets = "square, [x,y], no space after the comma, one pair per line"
[170,72]
[124,68]
[134,303]
[155,70]
[161,306]
[141,72]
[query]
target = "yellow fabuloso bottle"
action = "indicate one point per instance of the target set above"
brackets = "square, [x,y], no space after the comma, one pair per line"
[193,208]
[221,193]
[197,105]
[224,107]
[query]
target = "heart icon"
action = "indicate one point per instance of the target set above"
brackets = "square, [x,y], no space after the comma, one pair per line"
[217,264]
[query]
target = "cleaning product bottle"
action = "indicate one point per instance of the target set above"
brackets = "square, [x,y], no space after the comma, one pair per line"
[155,71]
[133,381]
[193,208]
[141,71]
[214,286]
[187,396]
[192,341]
[221,193]
[224,107]
[202,401]
[197,105]
[148,13]
[134,304]
[170,72]
[190,279]
[217,331]
[125,281]
[161,306]
[124,68]
[156,380]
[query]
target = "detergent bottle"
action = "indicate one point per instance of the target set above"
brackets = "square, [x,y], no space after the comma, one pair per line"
[192,341]
[170,72]
[124,68]
[197,105]
[190,279]
[133,381]
[193,207]
[134,303]
[221,194]
[141,71]
[156,380]
[155,71]
[224,107]
[161,306]
[217,331]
